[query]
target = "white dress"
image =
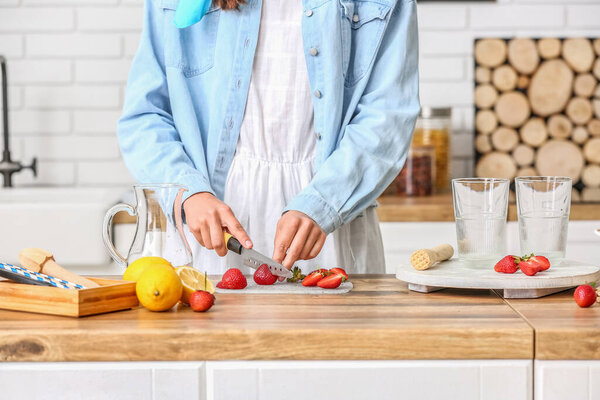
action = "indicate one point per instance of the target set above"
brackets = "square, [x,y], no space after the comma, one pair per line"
[275,154]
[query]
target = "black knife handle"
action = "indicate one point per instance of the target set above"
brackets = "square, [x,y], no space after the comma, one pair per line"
[233,244]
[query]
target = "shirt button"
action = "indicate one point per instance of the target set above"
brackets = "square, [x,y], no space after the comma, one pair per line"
[308,13]
[355,18]
[230,123]
[318,135]
[238,83]
[317,94]
[313,51]
[247,42]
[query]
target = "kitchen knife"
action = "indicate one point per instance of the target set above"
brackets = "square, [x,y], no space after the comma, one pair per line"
[254,259]
[22,275]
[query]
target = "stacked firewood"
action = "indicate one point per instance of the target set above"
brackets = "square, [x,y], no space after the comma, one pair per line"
[537,109]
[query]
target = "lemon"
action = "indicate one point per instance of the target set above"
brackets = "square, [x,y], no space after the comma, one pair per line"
[135,269]
[158,288]
[193,280]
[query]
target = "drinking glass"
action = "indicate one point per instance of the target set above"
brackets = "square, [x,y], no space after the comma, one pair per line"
[543,206]
[480,208]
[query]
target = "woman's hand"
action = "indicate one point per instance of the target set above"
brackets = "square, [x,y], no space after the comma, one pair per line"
[298,237]
[207,216]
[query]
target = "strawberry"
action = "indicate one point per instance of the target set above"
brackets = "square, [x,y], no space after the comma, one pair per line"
[201,301]
[331,281]
[508,265]
[584,295]
[529,267]
[233,279]
[263,276]
[542,261]
[313,278]
[339,271]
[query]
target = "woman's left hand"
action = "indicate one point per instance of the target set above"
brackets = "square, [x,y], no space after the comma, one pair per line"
[298,237]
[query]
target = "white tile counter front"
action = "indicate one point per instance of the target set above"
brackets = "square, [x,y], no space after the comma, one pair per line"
[270,380]
[300,380]
[560,380]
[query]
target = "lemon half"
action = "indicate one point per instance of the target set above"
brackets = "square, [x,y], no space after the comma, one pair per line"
[193,280]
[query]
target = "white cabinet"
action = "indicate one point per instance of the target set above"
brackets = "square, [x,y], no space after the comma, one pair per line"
[269,380]
[400,239]
[560,380]
[102,381]
[358,380]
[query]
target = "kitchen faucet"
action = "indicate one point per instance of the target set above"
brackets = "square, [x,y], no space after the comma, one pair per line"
[7,165]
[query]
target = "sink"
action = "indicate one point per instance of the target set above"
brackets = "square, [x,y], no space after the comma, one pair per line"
[64,221]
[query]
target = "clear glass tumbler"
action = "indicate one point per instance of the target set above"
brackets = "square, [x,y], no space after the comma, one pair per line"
[543,206]
[480,208]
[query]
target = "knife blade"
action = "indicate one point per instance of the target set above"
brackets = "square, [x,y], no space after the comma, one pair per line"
[254,259]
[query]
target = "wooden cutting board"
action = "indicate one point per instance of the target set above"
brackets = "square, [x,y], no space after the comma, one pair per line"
[457,274]
[287,288]
[111,295]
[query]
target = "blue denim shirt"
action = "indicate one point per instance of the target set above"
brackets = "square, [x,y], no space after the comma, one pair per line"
[187,91]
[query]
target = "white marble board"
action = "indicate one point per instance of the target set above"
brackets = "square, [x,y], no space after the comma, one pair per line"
[457,274]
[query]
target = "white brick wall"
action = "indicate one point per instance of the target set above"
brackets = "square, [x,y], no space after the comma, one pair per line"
[69,59]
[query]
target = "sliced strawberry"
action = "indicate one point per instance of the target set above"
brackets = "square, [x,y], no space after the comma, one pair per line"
[324,271]
[542,261]
[233,279]
[312,278]
[529,267]
[340,271]
[331,281]
[508,265]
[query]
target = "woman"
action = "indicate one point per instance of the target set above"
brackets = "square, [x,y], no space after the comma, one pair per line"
[285,119]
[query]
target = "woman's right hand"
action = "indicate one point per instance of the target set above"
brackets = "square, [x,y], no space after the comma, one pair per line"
[207,217]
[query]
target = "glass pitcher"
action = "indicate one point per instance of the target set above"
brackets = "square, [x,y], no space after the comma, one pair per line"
[159,231]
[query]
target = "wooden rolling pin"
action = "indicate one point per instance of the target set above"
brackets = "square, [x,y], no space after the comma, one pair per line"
[425,258]
[39,260]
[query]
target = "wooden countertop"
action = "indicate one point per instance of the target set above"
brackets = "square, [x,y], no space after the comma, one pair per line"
[439,208]
[563,330]
[379,320]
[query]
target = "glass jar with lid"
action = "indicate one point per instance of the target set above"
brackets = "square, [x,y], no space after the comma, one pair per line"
[433,129]
[417,178]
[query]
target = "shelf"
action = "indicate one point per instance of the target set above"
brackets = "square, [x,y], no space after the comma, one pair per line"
[438,208]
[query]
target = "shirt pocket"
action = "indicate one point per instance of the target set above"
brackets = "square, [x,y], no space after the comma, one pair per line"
[192,49]
[363,23]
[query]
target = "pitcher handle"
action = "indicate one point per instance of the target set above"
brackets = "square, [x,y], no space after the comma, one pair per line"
[107,231]
[179,218]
